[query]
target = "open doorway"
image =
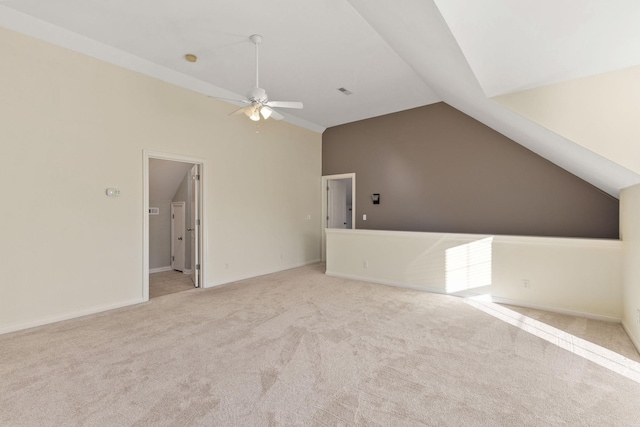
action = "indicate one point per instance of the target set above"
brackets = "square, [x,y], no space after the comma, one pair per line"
[173,230]
[338,204]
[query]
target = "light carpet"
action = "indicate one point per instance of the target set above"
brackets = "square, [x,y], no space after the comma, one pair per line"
[168,282]
[298,348]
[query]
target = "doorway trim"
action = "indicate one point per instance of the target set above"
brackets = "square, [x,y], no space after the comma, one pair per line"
[146,156]
[325,183]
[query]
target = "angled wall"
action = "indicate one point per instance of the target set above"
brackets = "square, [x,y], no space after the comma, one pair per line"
[630,234]
[440,170]
[598,112]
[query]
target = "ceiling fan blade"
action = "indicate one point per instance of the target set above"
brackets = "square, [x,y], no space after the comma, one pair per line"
[238,111]
[276,116]
[284,104]
[244,101]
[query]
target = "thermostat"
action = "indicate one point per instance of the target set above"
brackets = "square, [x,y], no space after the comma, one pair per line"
[113,192]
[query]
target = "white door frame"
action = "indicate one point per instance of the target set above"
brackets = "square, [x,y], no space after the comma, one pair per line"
[180,228]
[325,180]
[194,224]
[146,156]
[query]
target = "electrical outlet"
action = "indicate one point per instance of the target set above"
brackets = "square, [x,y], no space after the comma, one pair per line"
[365,264]
[526,283]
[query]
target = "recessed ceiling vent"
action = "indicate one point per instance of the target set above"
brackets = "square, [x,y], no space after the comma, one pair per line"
[345,91]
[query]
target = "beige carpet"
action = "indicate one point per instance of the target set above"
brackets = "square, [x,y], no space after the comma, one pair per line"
[298,348]
[168,282]
[606,334]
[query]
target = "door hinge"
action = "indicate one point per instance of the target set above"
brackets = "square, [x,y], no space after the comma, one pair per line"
[173,258]
[327,217]
[327,188]
[196,177]
[197,222]
[197,266]
[173,216]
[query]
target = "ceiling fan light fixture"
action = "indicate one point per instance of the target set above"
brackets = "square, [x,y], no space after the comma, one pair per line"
[259,103]
[266,112]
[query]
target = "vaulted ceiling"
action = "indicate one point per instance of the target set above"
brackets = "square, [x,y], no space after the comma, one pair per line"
[487,59]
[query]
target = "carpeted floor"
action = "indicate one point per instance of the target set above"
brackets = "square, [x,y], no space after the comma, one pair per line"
[168,282]
[298,348]
[605,334]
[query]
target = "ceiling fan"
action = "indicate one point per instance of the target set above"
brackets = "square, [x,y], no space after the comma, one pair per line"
[258,100]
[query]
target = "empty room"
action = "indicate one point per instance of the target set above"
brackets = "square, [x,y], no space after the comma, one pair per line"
[336,213]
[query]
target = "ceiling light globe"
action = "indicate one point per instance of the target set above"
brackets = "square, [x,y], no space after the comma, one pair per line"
[266,112]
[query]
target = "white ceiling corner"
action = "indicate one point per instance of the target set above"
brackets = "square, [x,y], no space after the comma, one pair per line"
[517,45]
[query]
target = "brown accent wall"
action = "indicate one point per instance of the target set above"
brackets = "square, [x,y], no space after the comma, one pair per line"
[439,170]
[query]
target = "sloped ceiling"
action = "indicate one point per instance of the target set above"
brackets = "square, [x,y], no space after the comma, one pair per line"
[391,55]
[165,178]
[517,45]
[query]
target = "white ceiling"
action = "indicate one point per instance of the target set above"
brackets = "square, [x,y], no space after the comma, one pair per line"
[310,49]
[516,45]
[392,55]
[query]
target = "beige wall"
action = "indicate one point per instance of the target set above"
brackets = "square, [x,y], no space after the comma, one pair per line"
[439,170]
[71,126]
[598,112]
[573,276]
[630,233]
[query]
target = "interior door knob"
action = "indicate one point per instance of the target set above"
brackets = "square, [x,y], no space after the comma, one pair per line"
[179,238]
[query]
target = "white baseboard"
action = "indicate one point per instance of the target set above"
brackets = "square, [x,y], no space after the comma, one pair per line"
[160,269]
[499,300]
[67,316]
[558,310]
[264,273]
[387,283]
[186,271]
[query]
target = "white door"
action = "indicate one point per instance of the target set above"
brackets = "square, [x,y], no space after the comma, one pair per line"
[177,235]
[194,228]
[337,204]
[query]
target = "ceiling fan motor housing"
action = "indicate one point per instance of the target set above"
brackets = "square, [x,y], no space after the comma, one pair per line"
[258,94]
